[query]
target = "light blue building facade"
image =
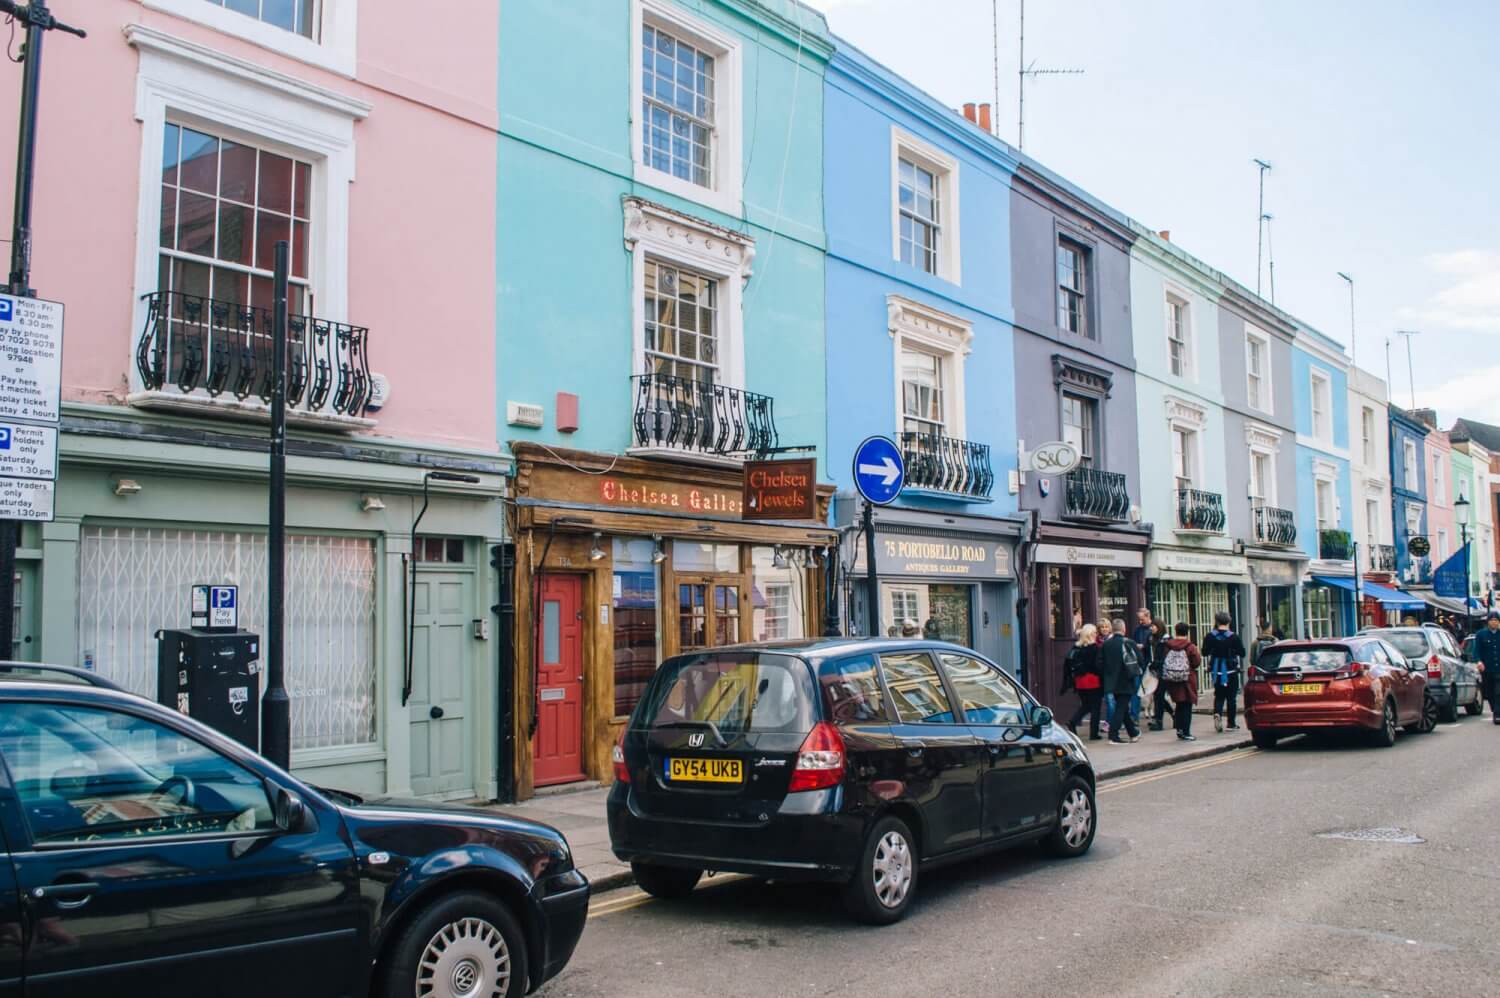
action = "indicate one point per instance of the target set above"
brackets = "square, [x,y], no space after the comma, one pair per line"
[920,349]
[1409,496]
[1320,401]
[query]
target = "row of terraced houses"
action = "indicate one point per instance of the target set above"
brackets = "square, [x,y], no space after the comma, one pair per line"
[558,271]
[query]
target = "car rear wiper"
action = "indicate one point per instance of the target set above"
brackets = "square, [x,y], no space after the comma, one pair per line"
[698,724]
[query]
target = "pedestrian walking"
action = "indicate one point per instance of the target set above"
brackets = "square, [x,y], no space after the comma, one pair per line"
[1487,655]
[1267,639]
[1103,630]
[1159,639]
[1226,654]
[1141,635]
[1120,670]
[1081,674]
[1179,678]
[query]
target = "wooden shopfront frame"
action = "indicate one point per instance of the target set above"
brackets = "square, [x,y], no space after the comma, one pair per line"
[564,497]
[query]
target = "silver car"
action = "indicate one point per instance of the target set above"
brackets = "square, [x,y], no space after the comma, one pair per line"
[1453,681]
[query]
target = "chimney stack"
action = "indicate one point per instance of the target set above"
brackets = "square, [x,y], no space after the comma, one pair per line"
[1166,235]
[984,119]
[969,113]
[1427,416]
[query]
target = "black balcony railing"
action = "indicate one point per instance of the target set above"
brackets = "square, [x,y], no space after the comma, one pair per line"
[1274,526]
[1092,494]
[1199,510]
[700,417]
[1335,545]
[947,464]
[201,345]
[1382,557]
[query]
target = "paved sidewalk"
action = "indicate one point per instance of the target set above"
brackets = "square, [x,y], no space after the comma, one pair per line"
[579,813]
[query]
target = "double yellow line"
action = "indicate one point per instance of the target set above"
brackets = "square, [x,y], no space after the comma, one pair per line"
[610,905]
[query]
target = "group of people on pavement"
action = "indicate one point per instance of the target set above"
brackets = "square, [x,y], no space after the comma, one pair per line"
[1108,669]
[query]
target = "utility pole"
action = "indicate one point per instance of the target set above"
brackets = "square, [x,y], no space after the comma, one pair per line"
[1260,225]
[276,705]
[1410,378]
[38,20]
[1353,340]
[1388,367]
[1024,72]
[1270,256]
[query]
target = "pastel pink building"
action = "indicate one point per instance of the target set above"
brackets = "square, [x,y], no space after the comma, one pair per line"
[1442,527]
[178,143]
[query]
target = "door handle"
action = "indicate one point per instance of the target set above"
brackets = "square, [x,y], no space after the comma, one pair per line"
[73,894]
[435,713]
[914,748]
[994,747]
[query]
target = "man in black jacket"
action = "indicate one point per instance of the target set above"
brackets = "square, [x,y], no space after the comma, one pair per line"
[1120,665]
[1224,652]
[1487,654]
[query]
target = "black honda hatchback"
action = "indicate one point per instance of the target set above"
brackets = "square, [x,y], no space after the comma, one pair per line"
[859,762]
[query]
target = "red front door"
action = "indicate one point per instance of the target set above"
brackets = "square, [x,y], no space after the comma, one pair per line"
[558,746]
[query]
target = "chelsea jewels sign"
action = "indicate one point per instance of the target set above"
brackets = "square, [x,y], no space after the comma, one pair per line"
[780,490]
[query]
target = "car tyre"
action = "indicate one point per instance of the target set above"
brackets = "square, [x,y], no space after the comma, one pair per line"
[453,946]
[1077,820]
[1427,721]
[666,882]
[1264,740]
[885,880]
[1385,735]
[1476,707]
[1449,714]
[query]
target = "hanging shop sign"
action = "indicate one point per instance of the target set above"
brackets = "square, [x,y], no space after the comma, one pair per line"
[937,556]
[1204,562]
[1071,554]
[1056,458]
[780,490]
[1273,573]
[673,497]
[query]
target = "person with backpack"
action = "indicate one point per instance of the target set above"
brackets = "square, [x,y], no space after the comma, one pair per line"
[1159,638]
[1226,655]
[1179,678]
[1267,639]
[1081,674]
[1120,670]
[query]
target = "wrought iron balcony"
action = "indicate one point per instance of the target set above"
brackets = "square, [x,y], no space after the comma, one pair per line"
[1273,526]
[208,348]
[947,464]
[700,417]
[1199,510]
[1382,557]
[1091,494]
[1335,545]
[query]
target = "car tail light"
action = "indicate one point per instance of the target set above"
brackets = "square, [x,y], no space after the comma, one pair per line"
[1434,668]
[1352,670]
[617,756]
[820,760]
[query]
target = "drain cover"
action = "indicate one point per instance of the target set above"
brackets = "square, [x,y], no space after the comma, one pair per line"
[1395,836]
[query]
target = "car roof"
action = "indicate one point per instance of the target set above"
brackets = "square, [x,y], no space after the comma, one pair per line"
[53,675]
[832,647]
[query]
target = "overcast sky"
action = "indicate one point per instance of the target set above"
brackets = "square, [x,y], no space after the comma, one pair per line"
[1381,119]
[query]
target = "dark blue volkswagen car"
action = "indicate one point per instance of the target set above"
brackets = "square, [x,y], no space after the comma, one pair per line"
[860,762]
[148,855]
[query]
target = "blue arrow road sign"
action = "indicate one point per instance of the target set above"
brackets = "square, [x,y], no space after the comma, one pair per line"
[879,471]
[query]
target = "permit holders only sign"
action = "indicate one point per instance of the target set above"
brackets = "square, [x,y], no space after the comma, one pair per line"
[31,332]
[26,499]
[28,451]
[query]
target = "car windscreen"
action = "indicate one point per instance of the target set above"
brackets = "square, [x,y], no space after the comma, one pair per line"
[1412,644]
[1305,659]
[731,693]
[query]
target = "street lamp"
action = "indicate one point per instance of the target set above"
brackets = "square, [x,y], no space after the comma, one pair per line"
[1461,512]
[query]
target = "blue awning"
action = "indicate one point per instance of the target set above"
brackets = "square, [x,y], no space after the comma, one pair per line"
[1385,595]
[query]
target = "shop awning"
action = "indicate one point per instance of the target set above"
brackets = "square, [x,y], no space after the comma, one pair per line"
[1385,595]
[1446,604]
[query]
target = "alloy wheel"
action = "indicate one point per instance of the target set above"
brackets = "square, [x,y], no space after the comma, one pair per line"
[1077,818]
[1429,714]
[467,958]
[1390,721]
[892,868]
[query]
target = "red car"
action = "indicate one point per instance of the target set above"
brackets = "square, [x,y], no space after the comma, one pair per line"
[1344,683]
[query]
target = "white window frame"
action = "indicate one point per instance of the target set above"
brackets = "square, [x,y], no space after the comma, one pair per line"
[1411,475]
[1413,520]
[1320,390]
[192,85]
[1269,456]
[1267,403]
[1439,492]
[726,192]
[1186,473]
[1367,436]
[923,329]
[1372,520]
[723,254]
[1191,419]
[1265,441]
[1442,546]
[334,49]
[1322,487]
[1189,370]
[944,169]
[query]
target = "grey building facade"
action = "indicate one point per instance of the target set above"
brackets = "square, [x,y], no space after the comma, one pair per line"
[1075,382]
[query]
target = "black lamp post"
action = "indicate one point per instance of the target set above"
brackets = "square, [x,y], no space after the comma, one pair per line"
[1461,512]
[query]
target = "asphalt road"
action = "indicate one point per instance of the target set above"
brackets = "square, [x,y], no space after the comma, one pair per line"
[1206,879]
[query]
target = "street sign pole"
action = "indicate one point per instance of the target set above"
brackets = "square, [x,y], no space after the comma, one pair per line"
[872,580]
[38,21]
[276,712]
[879,474]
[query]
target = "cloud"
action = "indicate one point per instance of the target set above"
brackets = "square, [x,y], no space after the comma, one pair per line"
[1471,297]
[1472,394]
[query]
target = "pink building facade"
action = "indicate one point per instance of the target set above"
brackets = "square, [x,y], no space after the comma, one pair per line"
[178,143]
[1442,526]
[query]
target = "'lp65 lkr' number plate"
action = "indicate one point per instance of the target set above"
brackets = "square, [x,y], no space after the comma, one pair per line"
[704,770]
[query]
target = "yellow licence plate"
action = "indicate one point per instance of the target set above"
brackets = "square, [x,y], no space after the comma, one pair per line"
[704,770]
[1303,689]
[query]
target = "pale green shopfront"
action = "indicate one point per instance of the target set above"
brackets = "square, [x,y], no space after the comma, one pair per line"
[149,504]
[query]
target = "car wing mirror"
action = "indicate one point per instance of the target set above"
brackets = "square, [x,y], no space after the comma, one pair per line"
[1041,717]
[291,813]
